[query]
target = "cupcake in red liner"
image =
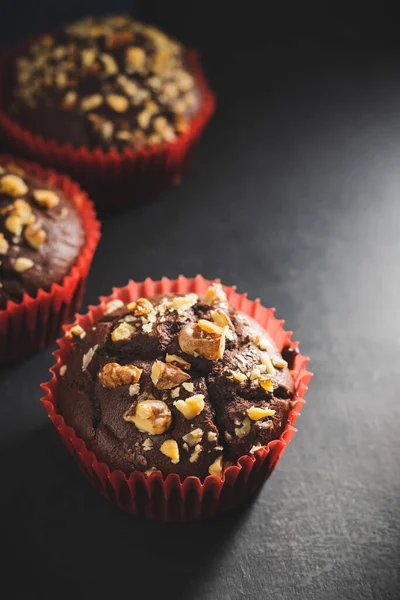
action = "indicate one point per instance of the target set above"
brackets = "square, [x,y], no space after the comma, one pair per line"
[115,103]
[48,235]
[177,397]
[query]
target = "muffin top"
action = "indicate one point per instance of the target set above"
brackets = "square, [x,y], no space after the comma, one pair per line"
[105,82]
[41,234]
[177,384]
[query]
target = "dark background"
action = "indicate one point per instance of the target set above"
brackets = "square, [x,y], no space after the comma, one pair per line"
[293,197]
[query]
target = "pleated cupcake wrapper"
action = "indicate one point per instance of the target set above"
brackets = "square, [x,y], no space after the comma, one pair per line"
[32,324]
[169,498]
[114,179]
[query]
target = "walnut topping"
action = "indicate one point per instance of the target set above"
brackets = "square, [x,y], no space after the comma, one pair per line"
[196,453]
[266,361]
[87,358]
[46,198]
[266,383]
[193,437]
[149,415]
[23,264]
[141,307]
[116,39]
[214,294]
[189,387]
[255,448]
[193,339]
[191,407]
[173,358]
[183,303]
[14,225]
[63,370]
[118,103]
[113,305]
[88,56]
[256,412]
[170,449]
[167,376]
[279,363]
[244,430]
[216,467]
[222,319]
[123,332]
[69,100]
[237,376]
[212,436]
[13,185]
[110,66]
[134,389]
[262,343]
[4,245]
[147,444]
[175,392]
[114,375]
[135,58]
[35,236]
[76,331]
[91,102]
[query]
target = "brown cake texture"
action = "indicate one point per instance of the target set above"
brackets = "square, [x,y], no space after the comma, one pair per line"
[105,82]
[41,234]
[176,384]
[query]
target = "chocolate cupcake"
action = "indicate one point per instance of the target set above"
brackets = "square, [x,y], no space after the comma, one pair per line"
[43,237]
[176,384]
[110,84]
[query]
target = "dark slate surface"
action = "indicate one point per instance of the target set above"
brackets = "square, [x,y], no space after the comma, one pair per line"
[294,197]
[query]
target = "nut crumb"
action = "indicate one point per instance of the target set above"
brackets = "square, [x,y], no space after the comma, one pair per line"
[23,264]
[87,358]
[191,407]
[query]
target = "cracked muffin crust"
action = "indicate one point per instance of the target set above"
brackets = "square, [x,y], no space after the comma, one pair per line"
[105,82]
[41,234]
[177,384]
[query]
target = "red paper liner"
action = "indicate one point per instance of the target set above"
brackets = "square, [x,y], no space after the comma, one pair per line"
[114,179]
[33,323]
[169,498]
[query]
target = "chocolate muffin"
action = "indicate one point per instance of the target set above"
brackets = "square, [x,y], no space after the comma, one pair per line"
[41,235]
[176,384]
[105,82]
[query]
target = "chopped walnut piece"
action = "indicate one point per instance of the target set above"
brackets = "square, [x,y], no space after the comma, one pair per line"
[23,264]
[212,436]
[76,331]
[114,375]
[134,389]
[196,341]
[175,392]
[196,453]
[87,358]
[147,444]
[222,319]
[141,307]
[69,100]
[216,467]
[110,66]
[173,358]
[167,376]
[35,236]
[63,370]
[113,305]
[135,58]
[91,102]
[117,102]
[14,225]
[88,56]
[170,449]
[214,294]
[279,363]
[13,185]
[4,245]
[46,198]
[149,415]
[266,383]
[193,437]
[123,332]
[116,39]
[266,361]
[244,430]
[237,376]
[191,407]
[189,387]
[184,302]
[257,412]
[262,343]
